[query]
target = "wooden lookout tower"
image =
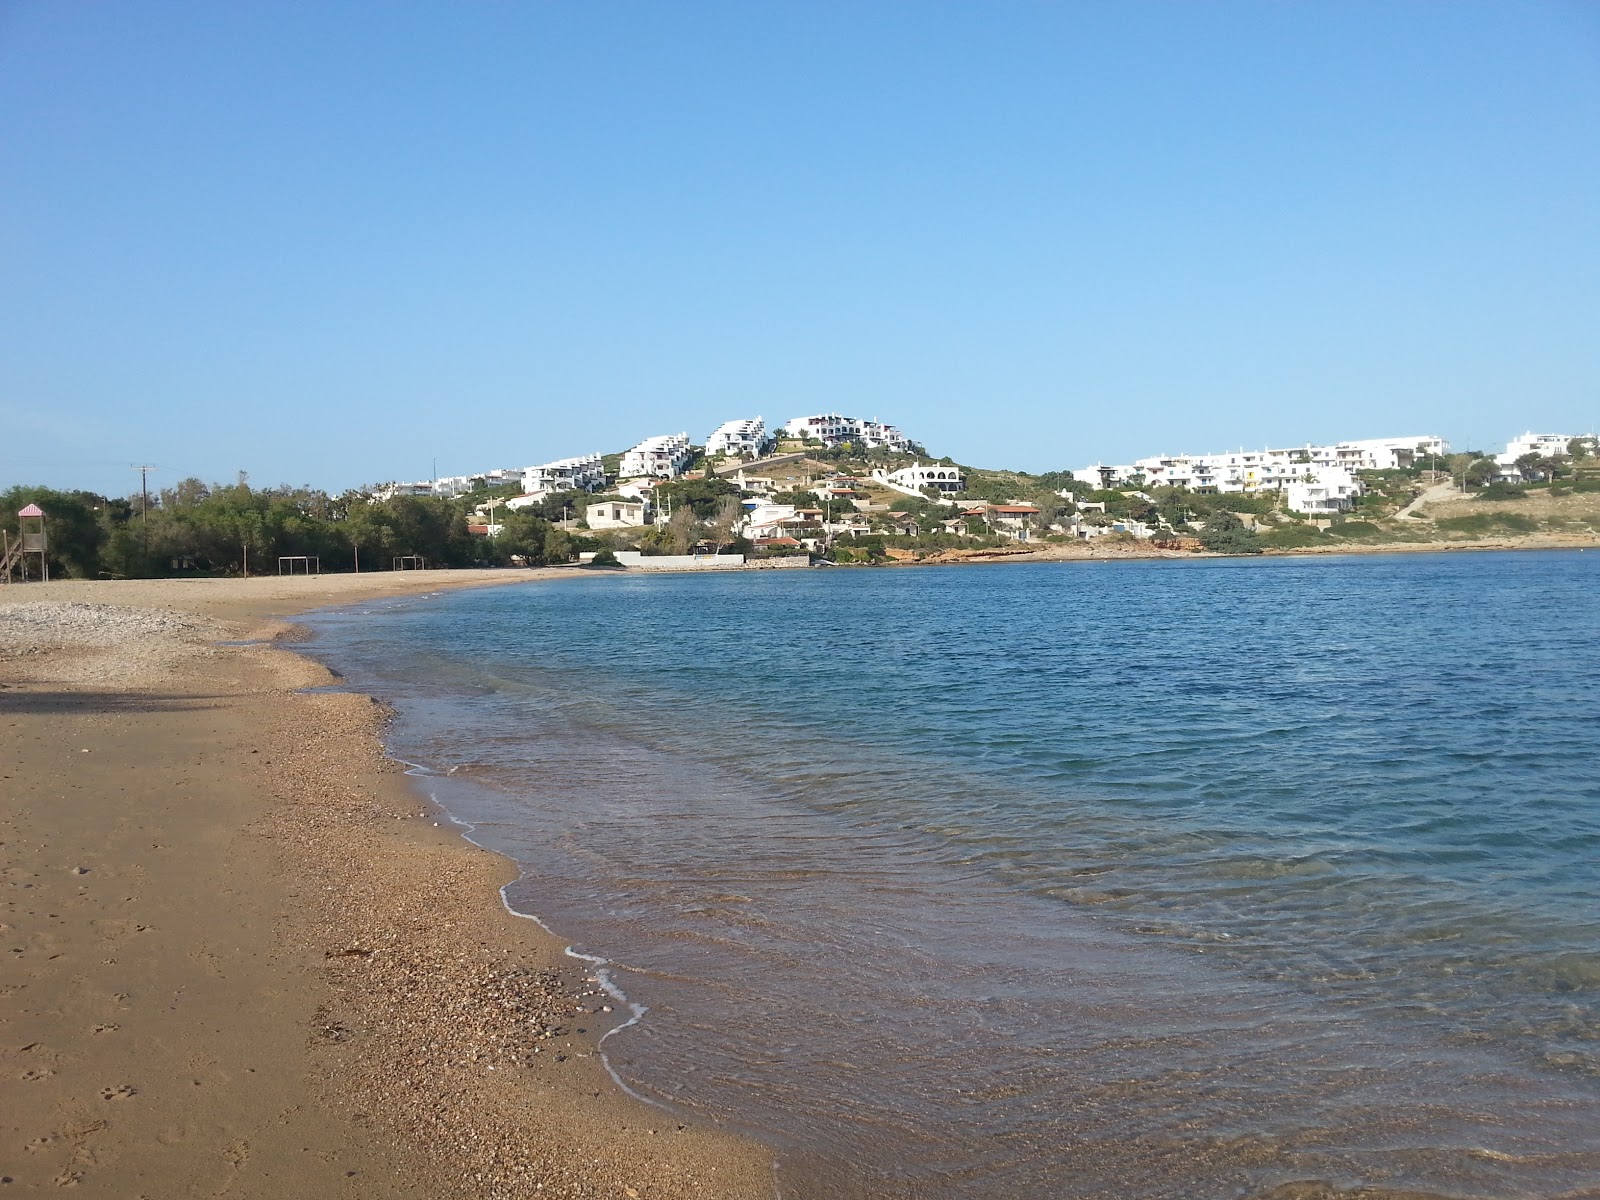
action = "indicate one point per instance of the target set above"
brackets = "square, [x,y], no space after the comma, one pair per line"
[34,540]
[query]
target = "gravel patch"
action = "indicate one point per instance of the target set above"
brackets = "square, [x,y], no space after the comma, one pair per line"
[117,645]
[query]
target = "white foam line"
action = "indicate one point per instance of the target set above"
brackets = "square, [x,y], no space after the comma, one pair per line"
[602,976]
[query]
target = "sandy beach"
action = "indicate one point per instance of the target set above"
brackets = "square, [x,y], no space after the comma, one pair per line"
[244,959]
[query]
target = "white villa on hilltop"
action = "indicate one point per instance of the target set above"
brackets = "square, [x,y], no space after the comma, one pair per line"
[831,429]
[1545,445]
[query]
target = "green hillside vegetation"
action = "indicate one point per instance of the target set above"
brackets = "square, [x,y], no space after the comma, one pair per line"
[199,528]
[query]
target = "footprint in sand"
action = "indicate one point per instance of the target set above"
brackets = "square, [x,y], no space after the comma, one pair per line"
[118,1093]
[105,1028]
[36,1074]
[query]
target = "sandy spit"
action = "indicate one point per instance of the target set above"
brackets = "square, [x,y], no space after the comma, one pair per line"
[241,957]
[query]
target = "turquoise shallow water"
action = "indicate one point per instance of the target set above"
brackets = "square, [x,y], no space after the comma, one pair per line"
[1154,878]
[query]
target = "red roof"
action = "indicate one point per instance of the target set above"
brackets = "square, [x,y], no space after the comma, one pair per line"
[1013,508]
[777,541]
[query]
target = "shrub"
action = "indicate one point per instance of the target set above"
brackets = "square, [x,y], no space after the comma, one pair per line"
[604,558]
[1292,537]
[1225,534]
[1503,491]
[1482,523]
[1357,529]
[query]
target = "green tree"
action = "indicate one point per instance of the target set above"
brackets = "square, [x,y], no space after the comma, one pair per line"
[1480,472]
[72,524]
[1225,533]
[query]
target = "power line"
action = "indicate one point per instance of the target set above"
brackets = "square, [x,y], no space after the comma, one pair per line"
[144,470]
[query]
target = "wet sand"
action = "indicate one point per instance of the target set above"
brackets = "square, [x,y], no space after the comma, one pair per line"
[242,958]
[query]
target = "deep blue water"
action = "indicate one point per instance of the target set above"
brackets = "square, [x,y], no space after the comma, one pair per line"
[1151,878]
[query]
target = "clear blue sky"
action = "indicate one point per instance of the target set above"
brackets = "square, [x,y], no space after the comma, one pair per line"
[333,242]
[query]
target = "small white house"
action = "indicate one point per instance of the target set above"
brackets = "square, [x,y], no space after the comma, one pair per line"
[615,514]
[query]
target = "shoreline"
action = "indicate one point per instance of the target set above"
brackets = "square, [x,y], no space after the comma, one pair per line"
[309,982]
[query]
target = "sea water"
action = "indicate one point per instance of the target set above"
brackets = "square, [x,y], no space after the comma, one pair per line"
[1096,879]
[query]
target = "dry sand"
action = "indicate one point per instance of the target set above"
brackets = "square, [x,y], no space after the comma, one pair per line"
[241,958]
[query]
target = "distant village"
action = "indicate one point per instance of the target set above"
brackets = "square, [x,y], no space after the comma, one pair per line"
[822,489]
[801,486]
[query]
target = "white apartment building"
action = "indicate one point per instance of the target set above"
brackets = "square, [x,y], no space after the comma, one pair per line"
[1261,470]
[584,473]
[734,439]
[1322,491]
[917,477]
[665,455]
[831,429]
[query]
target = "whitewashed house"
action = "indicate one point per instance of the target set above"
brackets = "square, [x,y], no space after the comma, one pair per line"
[615,514]
[764,520]
[1322,490]
[1545,445]
[932,475]
[665,456]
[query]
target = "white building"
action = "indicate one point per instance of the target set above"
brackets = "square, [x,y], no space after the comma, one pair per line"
[916,477]
[615,514]
[1014,521]
[1545,445]
[665,455]
[389,491]
[1261,470]
[1322,490]
[584,473]
[832,429]
[638,489]
[734,439]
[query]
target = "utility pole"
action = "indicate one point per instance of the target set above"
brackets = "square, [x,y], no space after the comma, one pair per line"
[144,470]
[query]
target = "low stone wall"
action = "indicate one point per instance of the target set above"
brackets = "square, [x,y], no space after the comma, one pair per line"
[635,561]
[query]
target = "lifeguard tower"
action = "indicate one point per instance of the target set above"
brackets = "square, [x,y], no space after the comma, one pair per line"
[33,540]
